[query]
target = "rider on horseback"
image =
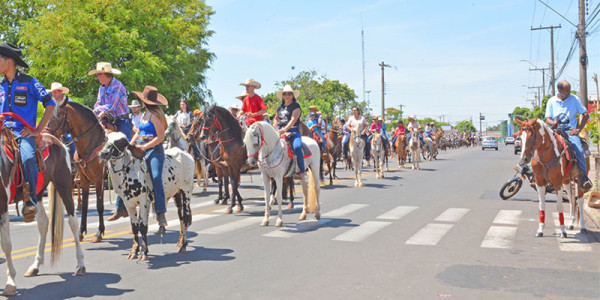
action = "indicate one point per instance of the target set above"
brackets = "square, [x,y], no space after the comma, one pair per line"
[357,119]
[314,122]
[568,104]
[253,105]
[400,130]
[21,94]
[286,120]
[413,126]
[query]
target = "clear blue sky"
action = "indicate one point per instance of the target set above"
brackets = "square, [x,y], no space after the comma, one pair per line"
[452,58]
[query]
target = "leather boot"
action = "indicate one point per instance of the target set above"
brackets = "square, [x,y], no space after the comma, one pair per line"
[162,219]
[29,211]
[585,183]
[117,215]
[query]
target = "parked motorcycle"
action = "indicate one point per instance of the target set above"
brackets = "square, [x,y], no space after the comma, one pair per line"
[513,185]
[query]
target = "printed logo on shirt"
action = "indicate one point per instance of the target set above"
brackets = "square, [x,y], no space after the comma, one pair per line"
[41,89]
[1,96]
[21,88]
[20,100]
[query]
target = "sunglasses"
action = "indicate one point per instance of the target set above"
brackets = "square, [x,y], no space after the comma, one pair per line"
[288,93]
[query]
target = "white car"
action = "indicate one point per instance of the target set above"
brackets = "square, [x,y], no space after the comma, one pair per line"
[489,142]
[509,140]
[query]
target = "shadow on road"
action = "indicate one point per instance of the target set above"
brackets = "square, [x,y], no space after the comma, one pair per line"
[197,254]
[125,242]
[91,285]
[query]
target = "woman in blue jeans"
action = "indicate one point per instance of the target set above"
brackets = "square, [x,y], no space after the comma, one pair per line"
[286,120]
[150,138]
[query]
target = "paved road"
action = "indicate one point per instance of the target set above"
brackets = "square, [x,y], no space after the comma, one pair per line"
[435,233]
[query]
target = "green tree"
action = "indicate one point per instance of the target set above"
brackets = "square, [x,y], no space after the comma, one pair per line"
[466,126]
[159,43]
[331,97]
[13,14]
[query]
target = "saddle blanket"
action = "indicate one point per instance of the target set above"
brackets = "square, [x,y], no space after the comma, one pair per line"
[17,180]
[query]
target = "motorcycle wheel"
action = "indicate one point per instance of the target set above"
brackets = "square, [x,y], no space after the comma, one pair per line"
[510,188]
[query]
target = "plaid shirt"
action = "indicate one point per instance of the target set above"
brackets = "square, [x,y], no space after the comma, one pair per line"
[112,99]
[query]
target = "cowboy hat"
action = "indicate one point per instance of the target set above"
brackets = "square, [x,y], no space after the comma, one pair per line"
[412,117]
[242,96]
[313,108]
[375,117]
[57,86]
[234,106]
[287,88]
[197,112]
[151,96]
[104,67]
[13,52]
[134,103]
[251,82]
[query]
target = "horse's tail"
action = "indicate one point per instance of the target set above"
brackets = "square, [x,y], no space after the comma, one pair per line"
[57,211]
[314,187]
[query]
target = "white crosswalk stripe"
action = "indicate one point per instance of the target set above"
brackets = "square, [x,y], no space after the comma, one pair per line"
[575,242]
[452,215]
[397,213]
[499,237]
[344,210]
[508,217]
[231,226]
[361,232]
[430,235]
[303,226]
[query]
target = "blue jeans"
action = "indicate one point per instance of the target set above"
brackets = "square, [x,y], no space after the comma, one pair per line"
[72,147]
[576,141]
[156,158]
[420,138]
[30,168]
[324,143]
[124,126]
[296,139]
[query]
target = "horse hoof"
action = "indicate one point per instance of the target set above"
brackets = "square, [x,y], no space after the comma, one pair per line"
[81,237]
[563,234]
[240,208]
[264,223]
[96,239]
[32,272]
[217,201]
[9,290]
[302,216]
[291,205]
[539,234]
[80,271]
[181,249]
[143,257]
[570,227]
[583,231]
[318,216]
[278,223]
[161,230]
[360,184]
[228,210]
[204,189]
[224,202]
[132,256]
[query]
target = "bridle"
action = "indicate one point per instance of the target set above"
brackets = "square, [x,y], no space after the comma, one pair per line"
[262,142]
[120,155]
[66,126]
[215,123]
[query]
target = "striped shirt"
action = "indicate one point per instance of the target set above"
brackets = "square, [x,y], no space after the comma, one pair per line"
[112,99]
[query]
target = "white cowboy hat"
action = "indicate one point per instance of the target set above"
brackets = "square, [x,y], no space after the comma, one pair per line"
[57,86]
[287,88]
[135,103]
[251,82]
[104,67]
[413,117]
[234,106]
[242,96]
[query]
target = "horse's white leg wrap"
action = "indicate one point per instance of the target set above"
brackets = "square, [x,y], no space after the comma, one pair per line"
[267,186]
[42,222]
[7,249]
[581,215]
[542,204]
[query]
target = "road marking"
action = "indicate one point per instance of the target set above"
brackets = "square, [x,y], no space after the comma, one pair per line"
[397,213]
[361,232]
[499,237]
[575,241]
[430,235]
[344,210]
[231,226]
[452,215]
[301,227]
[508,217]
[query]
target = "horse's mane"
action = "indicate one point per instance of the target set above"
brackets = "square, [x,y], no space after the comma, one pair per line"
[227,119]
[83,110]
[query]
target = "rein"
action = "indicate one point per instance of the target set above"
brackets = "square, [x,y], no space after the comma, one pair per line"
[262,143]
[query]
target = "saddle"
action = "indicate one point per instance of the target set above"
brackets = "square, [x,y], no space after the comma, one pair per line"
[292,155]
[568,150]
[18,180]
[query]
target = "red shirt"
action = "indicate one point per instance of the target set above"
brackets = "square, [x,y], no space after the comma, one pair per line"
[253,104]
[400,130]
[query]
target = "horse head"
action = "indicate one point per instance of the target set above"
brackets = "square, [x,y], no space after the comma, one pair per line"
[59,121]
[355,136]
[376,142]
[253,142]
[531,137]
[117,146]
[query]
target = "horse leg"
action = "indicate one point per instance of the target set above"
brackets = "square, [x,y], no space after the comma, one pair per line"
[220,196]
[184,212]
[542,205]
[267,191]
[305,199]
[580,203]
[290,185]
[11,287]
[566,189]
[273,191]
[329,164]
[235,190]
[80,270]
[135,228]
[85,192]
[42,224]
[99,183]
[279,184]
[204,175]
[227,196]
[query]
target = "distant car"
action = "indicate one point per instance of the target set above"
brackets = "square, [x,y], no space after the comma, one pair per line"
[517,146]
[489,142]
[509,140]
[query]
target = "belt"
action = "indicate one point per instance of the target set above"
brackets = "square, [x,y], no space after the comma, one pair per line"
[122,117]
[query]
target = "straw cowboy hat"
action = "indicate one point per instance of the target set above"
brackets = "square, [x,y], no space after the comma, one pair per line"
[151,96]
[412,117]
[251,82]
[57,86]
[313,108]
[13,52]
[234,106]
[197,112]
[375,117]
[134,103]
[104,67]
[287,88]
[242,96]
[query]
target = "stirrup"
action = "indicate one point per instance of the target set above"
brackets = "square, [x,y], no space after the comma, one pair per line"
[29,212]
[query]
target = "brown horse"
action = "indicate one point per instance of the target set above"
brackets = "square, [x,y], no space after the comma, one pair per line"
[401,149]
[334,147]
[88,137]
[55,166]
[550,165]
[220,125]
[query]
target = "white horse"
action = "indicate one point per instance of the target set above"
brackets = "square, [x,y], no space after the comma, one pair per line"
[378,153]
[264,145]
[414,144]
[133,183]
[357,150]
[176,138]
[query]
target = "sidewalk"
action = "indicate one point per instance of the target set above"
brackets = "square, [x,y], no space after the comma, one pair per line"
[592,214]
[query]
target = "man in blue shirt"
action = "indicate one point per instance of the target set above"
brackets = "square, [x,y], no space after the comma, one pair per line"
[566,103]
[21,96]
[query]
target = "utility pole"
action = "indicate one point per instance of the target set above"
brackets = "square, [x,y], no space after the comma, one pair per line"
[481,118]
[552,79]
[362,34]
[537,96]
[543,76]
[401,110]
[368,96]
[383,66]
[583,92]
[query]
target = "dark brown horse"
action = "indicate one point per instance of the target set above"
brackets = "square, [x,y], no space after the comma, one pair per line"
[88,137]
[55,166]
[334,147]
[220,125]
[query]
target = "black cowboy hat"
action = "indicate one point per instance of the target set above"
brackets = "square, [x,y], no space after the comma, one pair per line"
[13,52]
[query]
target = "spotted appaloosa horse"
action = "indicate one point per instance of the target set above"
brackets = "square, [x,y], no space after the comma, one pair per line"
[133,183]
[550,165]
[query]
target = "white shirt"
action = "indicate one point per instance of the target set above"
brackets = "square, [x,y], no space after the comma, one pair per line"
[413,125]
